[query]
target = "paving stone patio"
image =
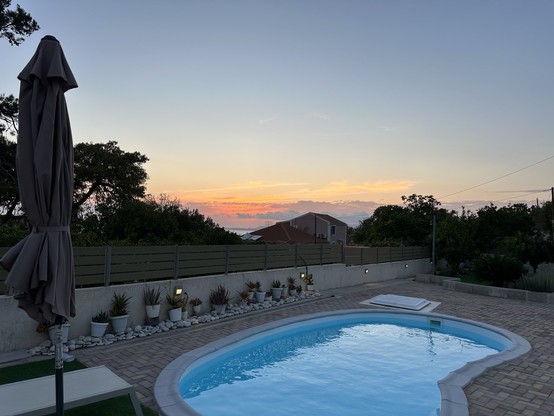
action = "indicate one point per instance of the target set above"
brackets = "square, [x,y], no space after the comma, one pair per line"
[522,387]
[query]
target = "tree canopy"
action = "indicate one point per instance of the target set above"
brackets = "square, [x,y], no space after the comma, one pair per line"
[516,230]
[15,24]
[108,175]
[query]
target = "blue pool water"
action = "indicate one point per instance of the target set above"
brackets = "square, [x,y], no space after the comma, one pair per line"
[346,365]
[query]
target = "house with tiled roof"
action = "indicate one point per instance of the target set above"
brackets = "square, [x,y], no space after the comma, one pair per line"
[321,226]
[307,228]
[281,232]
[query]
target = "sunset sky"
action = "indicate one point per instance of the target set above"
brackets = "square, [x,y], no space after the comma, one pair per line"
[258,111]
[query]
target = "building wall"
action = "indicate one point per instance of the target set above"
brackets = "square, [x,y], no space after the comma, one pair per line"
[18,330]
[307,223]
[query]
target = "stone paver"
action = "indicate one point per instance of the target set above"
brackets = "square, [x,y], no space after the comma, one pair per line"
[522,387]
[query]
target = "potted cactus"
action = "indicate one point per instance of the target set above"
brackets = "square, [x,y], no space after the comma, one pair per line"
[119,312]
[152,302]
[98,324]
[276,290]
[176,303]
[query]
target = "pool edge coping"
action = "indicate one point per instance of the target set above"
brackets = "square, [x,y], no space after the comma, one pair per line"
[454,402]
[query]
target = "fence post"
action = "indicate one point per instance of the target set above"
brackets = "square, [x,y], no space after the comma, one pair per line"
[361,256]
[176,263]
[320,254]
[265,256]
[343,253]
[107,264]
[296,255]
[227,259]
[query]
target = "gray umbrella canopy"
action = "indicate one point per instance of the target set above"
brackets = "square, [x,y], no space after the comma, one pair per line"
[41,265]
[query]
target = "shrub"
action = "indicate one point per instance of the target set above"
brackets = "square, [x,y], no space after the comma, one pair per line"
[220,296]
[498,269]
[541,281]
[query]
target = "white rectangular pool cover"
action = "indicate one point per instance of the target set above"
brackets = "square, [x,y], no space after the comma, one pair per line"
[397,301]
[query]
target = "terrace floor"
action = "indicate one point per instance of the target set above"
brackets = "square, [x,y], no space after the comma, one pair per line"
[523,387]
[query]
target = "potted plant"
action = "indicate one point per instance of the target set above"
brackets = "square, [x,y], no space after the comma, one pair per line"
[52,332]
[219,297]
[252,286]
[244,296]
[307,277]
[291,283]
[119,312]
[268,296]
[276,289]
[98,324]
[176,303]
[196,305]
[260,294]
[152,302]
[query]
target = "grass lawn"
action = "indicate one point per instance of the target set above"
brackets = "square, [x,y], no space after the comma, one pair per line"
[118,406]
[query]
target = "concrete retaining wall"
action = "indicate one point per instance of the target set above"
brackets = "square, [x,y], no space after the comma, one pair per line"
[453,283]
[18,330]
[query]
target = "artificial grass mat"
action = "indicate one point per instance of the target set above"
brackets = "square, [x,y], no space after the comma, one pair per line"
[118,406]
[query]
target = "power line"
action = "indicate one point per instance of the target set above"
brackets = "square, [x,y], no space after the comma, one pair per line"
[524,195]
[496,179]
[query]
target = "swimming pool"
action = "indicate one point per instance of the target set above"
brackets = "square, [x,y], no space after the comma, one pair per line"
[345,335]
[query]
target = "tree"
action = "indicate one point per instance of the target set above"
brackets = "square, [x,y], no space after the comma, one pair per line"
[15,24]
[9,192]
[455,238]
[396,225]
[105,174]
[9,109]
[151,221]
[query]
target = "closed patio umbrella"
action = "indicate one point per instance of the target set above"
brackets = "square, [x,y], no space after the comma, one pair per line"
[41,265]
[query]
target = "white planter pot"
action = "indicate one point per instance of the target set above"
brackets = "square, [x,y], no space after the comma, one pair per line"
[276,292]
[219,309]
[310,287]
[292,292]
[260,296]
[196,309]
[98,329]
[65,332]
[119,323]
[175,314]
[152,311]
[251,294]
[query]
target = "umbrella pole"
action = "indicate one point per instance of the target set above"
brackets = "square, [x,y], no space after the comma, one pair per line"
[58,364]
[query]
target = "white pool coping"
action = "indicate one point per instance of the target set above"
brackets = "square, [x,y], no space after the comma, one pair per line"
[453,399]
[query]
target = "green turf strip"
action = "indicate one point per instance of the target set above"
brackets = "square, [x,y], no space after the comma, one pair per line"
[118,406]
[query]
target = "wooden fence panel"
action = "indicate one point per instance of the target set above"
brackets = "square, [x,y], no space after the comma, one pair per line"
[96,266]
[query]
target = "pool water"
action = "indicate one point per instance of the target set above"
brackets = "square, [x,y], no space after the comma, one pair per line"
[347,367]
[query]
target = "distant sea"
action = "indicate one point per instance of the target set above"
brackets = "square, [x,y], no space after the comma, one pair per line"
[241,231]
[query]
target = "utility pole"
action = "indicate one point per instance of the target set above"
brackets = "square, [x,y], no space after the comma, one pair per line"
[433,246]
[552,209]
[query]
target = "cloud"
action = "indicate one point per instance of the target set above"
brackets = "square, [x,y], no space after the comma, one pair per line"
[387,128]
[317,114]
[267,120]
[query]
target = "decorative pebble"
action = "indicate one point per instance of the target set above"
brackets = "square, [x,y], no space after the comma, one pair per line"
[46,349]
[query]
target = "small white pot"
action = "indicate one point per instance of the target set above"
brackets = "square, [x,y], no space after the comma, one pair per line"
[175,314]
[196,309]
[119,323]
[98,329]
[152,311]
[260,296]
[219,309]
[65,332]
